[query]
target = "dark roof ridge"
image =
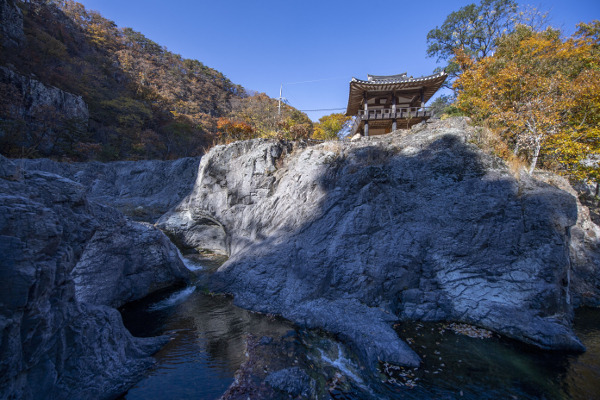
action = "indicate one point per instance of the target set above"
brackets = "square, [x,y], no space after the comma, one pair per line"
[397,78]
[386,77]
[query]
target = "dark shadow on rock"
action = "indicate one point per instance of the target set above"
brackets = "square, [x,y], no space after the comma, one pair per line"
[142,190]
[351,237]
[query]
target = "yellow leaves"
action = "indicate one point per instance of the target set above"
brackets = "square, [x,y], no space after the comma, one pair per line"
[540,90]
[329,126]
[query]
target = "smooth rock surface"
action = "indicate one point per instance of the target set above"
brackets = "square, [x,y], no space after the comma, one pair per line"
[142,190]
[136,259]
[415,226]
[51,344]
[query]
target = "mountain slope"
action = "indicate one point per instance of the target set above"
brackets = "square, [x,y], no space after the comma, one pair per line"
[144,101]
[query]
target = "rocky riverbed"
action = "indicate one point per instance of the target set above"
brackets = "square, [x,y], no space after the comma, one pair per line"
[351,239]
[66,261]
[412,226]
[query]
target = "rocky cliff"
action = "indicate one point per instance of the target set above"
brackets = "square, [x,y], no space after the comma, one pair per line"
[64,260]
[584,250]
[350,237]
[11,28]
[37,119]
[143,190]
[32,96]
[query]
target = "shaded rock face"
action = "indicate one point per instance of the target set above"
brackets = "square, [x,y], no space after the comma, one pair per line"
[142,190]
[135,258]
[352,236]
[11,24]
[52,345]
[584,250]
[35,96]
[37,118]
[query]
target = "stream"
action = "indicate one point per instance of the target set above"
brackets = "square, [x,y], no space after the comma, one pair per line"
[209,336]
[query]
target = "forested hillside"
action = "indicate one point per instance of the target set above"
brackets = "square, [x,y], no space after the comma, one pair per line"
[143,100]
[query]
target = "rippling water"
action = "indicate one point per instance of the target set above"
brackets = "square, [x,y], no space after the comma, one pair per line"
[208,345]
[208,341]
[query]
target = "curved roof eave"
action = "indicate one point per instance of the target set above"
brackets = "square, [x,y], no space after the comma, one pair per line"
[430,84]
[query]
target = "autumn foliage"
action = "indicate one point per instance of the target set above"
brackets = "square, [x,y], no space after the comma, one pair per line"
[330,126]
[144,101]
[269,119]
[542,92]
[234,130]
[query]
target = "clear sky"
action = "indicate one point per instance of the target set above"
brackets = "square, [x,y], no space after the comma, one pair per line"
[323,44]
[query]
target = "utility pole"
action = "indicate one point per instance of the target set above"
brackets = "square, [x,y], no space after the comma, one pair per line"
[279,105]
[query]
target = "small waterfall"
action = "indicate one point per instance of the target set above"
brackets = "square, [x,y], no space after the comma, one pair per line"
[189,264]
[174,299]
[343,364]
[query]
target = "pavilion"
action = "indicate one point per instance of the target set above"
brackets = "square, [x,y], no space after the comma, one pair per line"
[383,104]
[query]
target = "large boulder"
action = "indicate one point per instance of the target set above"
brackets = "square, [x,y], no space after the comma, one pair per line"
[136,259]
[52,345]
[412,226]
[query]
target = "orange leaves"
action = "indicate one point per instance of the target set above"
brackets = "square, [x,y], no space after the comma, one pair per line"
[543,91]
[233,130]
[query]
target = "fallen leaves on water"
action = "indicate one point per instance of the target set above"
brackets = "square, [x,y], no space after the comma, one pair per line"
[469,330]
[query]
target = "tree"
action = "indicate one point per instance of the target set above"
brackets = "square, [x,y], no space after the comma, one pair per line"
[261,112]
[329,126]
[233,130]
[543,92]
[473,28]
[444,105]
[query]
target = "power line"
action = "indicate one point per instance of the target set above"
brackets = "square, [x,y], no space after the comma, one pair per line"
[325,109]
[316,80]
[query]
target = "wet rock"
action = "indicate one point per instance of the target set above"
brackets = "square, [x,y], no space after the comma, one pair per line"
[51,344]
[418,225]
[282,369]
[292,381]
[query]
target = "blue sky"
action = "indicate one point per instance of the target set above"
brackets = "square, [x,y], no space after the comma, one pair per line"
[311,47]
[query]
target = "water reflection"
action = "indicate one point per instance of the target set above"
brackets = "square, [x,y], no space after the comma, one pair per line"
[209,342]
[456,366]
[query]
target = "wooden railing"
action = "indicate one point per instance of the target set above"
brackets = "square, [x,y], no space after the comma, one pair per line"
[387,113]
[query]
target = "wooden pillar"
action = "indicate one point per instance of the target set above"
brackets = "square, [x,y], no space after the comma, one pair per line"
[422,98]
[394,126]
[366,107]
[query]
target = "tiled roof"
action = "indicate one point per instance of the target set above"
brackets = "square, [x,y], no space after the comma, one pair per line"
[398,83]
